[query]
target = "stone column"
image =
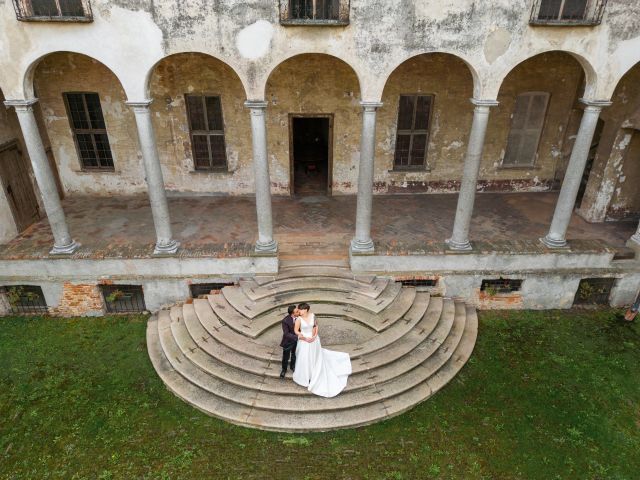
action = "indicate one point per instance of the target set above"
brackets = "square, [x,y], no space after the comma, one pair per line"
[165,244]
[460,238]
[63,243]
[571,183]
[362,242]
[265,242]
[634,241]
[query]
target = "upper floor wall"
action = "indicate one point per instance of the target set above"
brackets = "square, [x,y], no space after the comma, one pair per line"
[490,36]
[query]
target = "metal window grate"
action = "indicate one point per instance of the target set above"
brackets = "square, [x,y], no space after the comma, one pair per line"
[25,299]
[200,289]
[594,291]
[419,282]
[567,12]
[123,298]
[314,12]
[53,10]
[501,285]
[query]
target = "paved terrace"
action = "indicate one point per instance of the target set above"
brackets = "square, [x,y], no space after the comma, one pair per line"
[122,227]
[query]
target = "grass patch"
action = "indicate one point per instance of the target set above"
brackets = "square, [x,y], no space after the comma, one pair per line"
[545,395]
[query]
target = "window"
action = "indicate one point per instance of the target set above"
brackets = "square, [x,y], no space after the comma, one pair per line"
[207,132]
[53,10]
[123,298]
[419,282]
[567,12]
[89,130]
[500,285]
[526,128]
[200,289]
[412,141]
[314,12]
[24,299]
[594,291]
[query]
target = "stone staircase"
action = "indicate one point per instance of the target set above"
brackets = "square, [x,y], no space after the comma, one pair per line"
[221,353]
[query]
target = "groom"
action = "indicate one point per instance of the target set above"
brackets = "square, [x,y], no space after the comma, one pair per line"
[289,340]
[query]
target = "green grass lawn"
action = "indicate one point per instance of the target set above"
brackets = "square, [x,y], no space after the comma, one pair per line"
[545,395]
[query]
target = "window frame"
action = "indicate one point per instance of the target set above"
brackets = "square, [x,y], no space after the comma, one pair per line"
[425,165]
[344,6]
[534,160]
[91,131]
[208,133]
[593,13]
[24,13]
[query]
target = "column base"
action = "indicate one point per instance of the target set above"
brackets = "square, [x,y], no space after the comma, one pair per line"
[553,243]
[267,247]
[359,246]
[168,249]
[64,249]
[458,246]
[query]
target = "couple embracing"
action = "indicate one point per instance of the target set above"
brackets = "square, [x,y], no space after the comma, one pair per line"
[323,372]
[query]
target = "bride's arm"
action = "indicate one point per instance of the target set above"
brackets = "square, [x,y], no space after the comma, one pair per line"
[315,330]
[296,329]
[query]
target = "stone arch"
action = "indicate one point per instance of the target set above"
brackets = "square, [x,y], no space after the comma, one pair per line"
[227,64]
[386,75]
[590,75]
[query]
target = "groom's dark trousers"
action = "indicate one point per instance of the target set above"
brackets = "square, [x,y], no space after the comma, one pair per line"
[289,343]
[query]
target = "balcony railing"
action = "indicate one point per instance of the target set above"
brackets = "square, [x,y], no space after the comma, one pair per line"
[567,12]
[314,12]
[53,10]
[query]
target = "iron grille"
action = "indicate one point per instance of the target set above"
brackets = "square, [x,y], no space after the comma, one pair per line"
[200,289]
[25,299]
[594,291]
[567,12]
[501,285]
[314,12]
[419,282]
[123,298]
[53,10]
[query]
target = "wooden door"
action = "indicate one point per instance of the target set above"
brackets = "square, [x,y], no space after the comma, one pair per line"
[17,186]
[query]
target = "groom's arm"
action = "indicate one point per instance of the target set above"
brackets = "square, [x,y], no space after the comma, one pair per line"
[288,332]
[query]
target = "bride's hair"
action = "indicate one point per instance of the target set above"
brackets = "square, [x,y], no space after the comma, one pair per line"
[304,306]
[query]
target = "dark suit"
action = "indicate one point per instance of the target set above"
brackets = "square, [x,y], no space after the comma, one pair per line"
[289,342]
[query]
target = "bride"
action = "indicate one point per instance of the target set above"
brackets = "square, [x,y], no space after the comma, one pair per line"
[324,372]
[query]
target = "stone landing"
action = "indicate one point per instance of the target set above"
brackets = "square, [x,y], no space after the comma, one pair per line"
[221,354]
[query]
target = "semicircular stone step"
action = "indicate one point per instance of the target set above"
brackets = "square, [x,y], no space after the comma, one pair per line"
[258,325]
[349,399]
[395,396]
[251,309]
[255,291]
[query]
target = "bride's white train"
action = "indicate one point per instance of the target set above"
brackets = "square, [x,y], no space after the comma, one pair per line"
[324,372]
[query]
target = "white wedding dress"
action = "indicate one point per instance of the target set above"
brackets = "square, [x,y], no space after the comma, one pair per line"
[324,372]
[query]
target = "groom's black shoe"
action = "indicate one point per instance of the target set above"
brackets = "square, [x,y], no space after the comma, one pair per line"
[293,368]
[282,374]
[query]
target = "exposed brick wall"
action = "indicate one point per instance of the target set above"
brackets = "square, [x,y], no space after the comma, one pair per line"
[79,299]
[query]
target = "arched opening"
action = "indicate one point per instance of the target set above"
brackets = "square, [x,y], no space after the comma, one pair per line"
[89,129]
[612,191]
[201,125]
[421,96]
[313,125]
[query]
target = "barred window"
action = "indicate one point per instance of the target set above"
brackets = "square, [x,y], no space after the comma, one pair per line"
[89,130]
[526,128]
[207,132]
[412,141]
[314,9]
[562,9]
[53,10]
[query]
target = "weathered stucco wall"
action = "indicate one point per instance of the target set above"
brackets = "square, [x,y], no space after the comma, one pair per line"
[68,72]
[200,75]
[313,84]
[612,190]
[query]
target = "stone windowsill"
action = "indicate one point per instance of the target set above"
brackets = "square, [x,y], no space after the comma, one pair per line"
[410,170]
[215,171]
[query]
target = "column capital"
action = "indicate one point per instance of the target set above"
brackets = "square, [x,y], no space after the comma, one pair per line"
[595,105]
[256,104]
[484,103]
[370,106]
[140,106]
[21,105]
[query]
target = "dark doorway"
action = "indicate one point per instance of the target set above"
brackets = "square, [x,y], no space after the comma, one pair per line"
[17,186]
[589,165]
[310,148]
